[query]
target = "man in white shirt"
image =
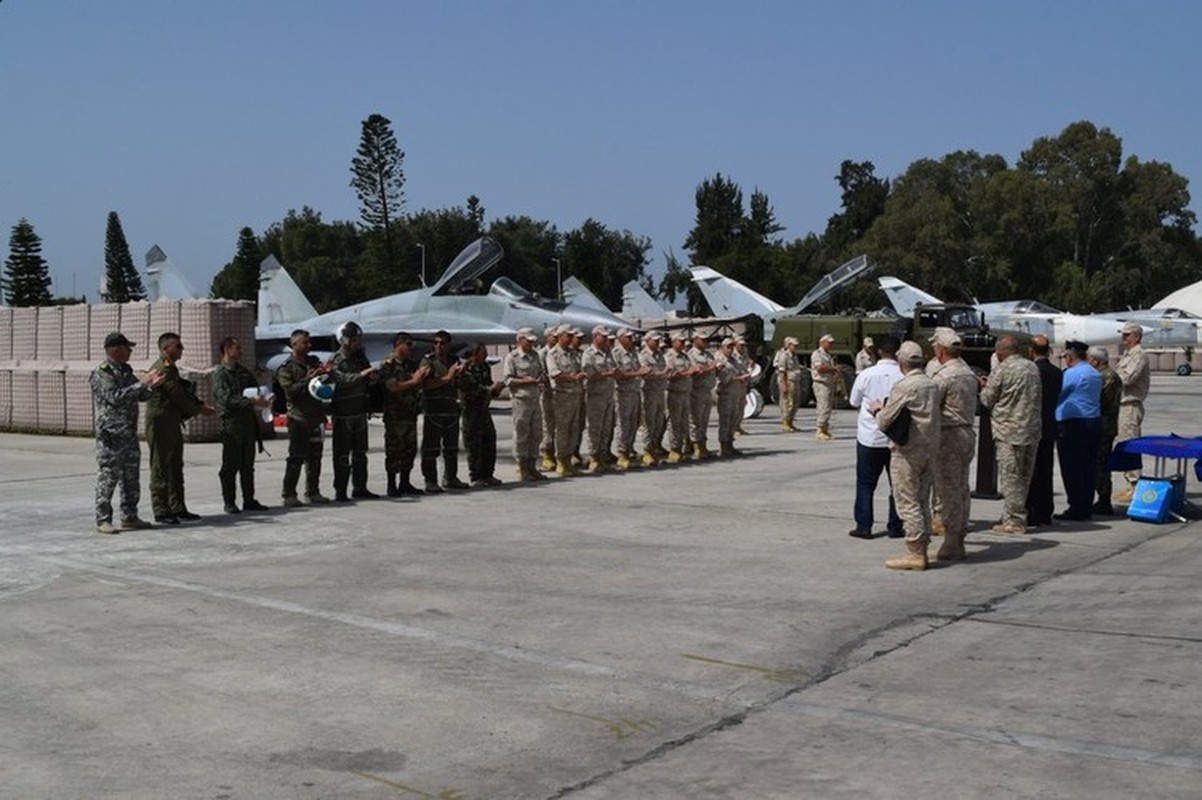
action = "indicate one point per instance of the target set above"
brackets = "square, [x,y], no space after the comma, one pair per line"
[872,446]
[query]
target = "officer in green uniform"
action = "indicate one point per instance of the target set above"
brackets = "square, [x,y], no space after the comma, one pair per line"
[240,432]
[401,388]
[173,403]
[306,420]
[440,416]
[476,391]
[353,374]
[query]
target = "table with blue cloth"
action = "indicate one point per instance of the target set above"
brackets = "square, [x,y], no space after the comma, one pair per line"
[1128,455]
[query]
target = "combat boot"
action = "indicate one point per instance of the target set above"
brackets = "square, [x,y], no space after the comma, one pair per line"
[914,559]
[549,461]
[106,528]
[649,460]
[1124,497]
[1009,529]
[937,526]
[698,450]
[822,434]
[788,427]
[623,461]
[563,468]
[952,548]
[596,466]
[135,524]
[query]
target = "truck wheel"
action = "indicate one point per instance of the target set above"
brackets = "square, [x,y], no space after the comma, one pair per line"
[805,388]
[1184,370]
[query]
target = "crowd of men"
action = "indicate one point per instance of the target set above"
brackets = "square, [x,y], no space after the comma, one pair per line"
[581,406]
[918,423]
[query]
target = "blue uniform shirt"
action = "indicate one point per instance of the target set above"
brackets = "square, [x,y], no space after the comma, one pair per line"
[1081,393]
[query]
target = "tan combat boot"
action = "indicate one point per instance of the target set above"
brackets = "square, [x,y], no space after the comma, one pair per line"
[937,526]
[1010,529]
[952,548]
[596,466]
[788,427]
[822,434]
[549,461]
[564,469]
[675,456]
[649,460]
[914,559]
[1124,497]
[623,461]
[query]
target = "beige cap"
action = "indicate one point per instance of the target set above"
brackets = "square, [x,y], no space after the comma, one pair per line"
[1131,327]
[624,332]
[826,337]
[946,337]
[554,330]
[910,353]
[603,330]
[791,340]
[527,333]
[868,341]
[679,336]
[576,331]
[728,342]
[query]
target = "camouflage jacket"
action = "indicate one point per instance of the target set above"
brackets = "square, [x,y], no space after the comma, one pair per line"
[1112,393]
[475,386]
[350,392]
[237,414]
[116,392]
[292,377]
[1014,394]
[441,400]
[399,404]
[175,398]
[523,365]
[958,389]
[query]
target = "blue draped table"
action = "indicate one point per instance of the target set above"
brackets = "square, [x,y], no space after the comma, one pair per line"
[1128,455]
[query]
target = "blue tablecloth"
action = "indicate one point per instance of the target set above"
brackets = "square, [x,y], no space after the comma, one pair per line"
[1127,455]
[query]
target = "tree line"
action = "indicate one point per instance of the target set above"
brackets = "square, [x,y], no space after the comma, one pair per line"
[1074,223]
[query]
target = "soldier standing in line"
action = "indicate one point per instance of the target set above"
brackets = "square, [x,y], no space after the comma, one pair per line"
[680,390]
[1136,373]
[912,463]
[546,400]
[306,420]
[866,357]
[1040,503]
[788,375]
[958,389]
[825,373]
[1013,393]
[744,362]
[598,364]
[173,403]
[575,350]
[353,374]
[655,391]
[730,378]
[440,415]
[1112,393]
[629,377]
[116,392]
[401,383]
[567,381]
[239,419]
[476,391]
[525,374]
[701,397]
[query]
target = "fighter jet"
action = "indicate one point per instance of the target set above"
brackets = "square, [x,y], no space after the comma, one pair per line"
[454,304]
[1025,316]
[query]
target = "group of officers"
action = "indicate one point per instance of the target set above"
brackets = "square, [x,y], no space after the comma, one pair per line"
[918,423]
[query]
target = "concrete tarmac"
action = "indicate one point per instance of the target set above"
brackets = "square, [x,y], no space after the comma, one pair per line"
[707,630]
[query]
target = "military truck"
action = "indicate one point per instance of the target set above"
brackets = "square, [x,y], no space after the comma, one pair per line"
[849,333]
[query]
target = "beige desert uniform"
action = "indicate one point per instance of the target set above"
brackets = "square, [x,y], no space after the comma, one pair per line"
[595,361]
[546,401]
[1014,395]
[912,465]
[729,397]
[958,389]
[525,397]
[1136,374]
[742,363]
[655,402]
[787,371]
[701,399]
[864,358]
[824,390]
[566,394]
[629,404]
[680,389]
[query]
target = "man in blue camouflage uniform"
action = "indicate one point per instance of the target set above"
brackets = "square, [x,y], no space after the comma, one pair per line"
[116,392]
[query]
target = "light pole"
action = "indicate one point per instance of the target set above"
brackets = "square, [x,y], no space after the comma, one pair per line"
[558,280]
[422,247]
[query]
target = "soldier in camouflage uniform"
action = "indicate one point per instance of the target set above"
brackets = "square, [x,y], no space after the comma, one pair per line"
[597,363]
[629,377]
[680,390]
[546,400]
[1136,374]
[306,420]
[525,375]
[116,392]
[787,371]
[731,378]
[173,403]
[912,465]
[1112,393]
[1014,395]
[825,373]
[476,391]
[958,388]
[238,416]
[701,396]
[440,415]
[353,375]
[655,396]
[401,384]
[567,381]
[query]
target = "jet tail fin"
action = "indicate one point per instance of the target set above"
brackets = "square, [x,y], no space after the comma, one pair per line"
[280,299]
[903,297]
[637,304]
[576,293]
[729,298]
[164,280]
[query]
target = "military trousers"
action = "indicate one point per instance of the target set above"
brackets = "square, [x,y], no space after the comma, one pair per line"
[306,441]
[655,418]
[165,438]
[546,403]
[629,409]
[118,461]
[480,441]
[527,426]
[1102,483]
[567,423]
[350,453]
[400,444]
[600,409]
[1131,421]
[824,399]
[730,411]
[678,420]
[912,473]
[440,434]
[789,396]
[956,446]
[1015,463]
[701,407]
[237,466]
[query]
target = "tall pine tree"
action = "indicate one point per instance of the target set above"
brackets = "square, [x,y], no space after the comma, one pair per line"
[27,272]
[378,177]
[239,279]
[122,283]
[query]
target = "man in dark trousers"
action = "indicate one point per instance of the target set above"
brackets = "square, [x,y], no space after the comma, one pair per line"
[1039,497]
[173,402]
[238,414]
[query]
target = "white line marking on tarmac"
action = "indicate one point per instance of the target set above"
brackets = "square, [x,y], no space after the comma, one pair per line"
[1033,741]
[406,631]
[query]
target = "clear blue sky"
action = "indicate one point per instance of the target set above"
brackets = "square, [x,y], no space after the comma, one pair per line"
[194,119]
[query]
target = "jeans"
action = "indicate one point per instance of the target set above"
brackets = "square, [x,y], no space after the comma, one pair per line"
[870,463]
